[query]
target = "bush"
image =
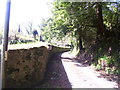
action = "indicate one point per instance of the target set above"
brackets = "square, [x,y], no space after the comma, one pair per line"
[107,57]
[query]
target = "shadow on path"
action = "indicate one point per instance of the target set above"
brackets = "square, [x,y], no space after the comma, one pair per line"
[86,63]
[55,76]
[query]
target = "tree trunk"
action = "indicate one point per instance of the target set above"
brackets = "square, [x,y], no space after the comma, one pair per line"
[80,45]
[100,25]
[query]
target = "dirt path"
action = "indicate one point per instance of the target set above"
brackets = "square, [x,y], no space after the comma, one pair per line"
[63,72]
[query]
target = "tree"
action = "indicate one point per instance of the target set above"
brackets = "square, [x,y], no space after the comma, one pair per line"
[29,27]
[84,21]
[100,25]
[35,33]
[19,30]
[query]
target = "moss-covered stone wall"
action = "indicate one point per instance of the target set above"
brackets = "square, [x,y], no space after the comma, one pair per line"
[26,67]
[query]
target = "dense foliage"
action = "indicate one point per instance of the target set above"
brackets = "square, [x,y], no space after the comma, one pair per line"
[82,23]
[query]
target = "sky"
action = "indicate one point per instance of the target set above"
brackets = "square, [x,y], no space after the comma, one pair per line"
[23,11]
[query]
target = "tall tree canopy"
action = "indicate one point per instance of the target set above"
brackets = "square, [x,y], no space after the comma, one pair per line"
[84,21]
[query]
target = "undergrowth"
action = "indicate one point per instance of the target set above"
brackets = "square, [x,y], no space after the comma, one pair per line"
[104,55]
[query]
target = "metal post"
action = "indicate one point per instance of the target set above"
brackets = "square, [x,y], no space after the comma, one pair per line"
[5,43]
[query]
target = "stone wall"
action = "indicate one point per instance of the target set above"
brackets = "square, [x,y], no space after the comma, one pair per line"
[55,49]
[26,67]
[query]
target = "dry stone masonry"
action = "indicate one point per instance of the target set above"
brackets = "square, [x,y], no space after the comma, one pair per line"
[26,67]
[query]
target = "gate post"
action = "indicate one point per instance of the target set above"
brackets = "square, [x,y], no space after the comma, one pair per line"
[5,44]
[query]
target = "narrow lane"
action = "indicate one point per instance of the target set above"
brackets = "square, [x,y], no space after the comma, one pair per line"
[83,76]
[55,76]
[63,72]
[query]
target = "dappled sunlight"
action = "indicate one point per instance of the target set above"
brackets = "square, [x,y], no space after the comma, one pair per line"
[81,76]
